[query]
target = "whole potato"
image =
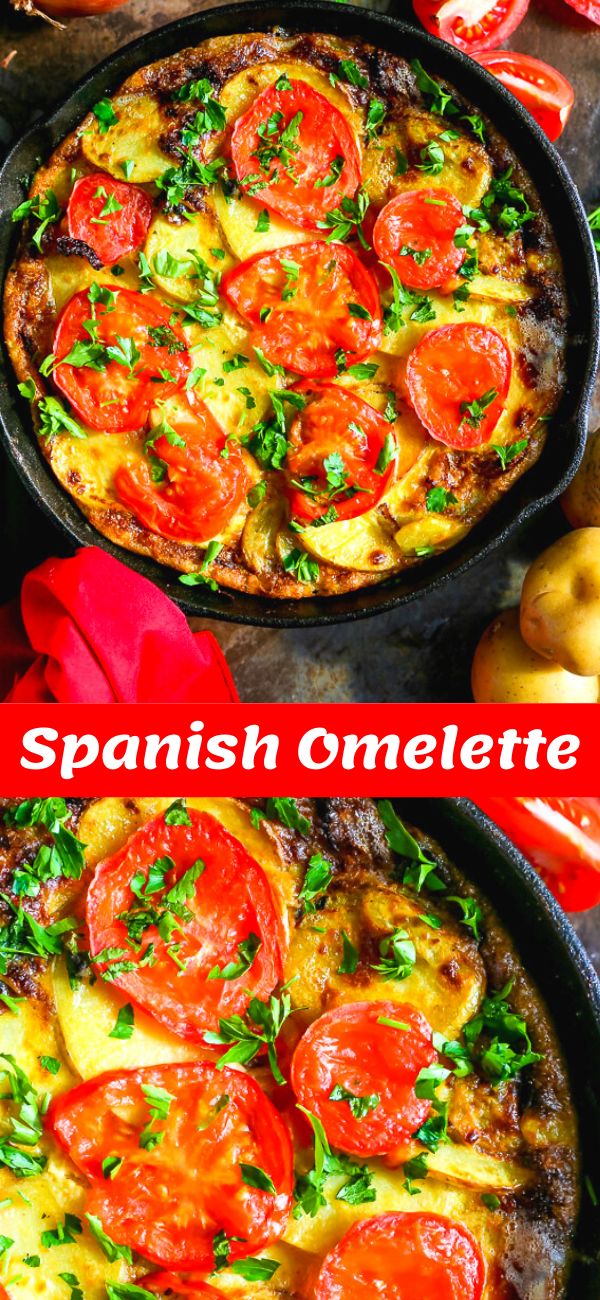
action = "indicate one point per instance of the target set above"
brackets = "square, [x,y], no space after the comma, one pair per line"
[560,603]
[581,501]
[506,671]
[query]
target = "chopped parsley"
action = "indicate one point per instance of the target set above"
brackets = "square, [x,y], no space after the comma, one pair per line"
[356,1189]
[398,956]
[105,115]
[247,1036]
[302,566]
[509,451]
[346,220]
[124,1024]
[285,811]
[359,1105]
[438,499]
[246,952]
[498,1038]
[317,879]
[45,210]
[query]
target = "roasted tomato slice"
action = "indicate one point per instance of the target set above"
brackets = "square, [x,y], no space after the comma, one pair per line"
[471,24]
[200,489]
[415,232]
[295,152]
[458,378]
[111,216]
[561,838]
[349,1052]
[183,1133]
[588,8]
[196,895]
[541,88]
[407,1256]
[111,349]
[337,442]
[314,307]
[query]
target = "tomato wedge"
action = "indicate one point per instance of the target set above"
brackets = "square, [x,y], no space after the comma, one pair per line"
[182,1133]
[404,1256]
[458,378]
[587,8]
[336,443]
[206,907]
[118,345]
[350,1050]
[415,232]
[201,490]
[295,152]
[314,307]
[111,216]
[561,838]
[471,25]
[543,90]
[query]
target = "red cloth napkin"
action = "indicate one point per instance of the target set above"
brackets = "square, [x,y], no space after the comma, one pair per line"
[89,630]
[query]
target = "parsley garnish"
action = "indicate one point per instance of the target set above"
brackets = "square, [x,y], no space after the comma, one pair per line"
[44,208]
[498,1038]
[105,115]
[346,220]
[247,951]
[124,1024]
[438,499]
[317,879]
[398,956]
[302,565]
[473,412]
[248,1036]
[507,453]
[359,1105]
[349,960]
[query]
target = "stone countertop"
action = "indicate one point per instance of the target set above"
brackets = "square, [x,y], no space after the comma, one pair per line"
[423,651]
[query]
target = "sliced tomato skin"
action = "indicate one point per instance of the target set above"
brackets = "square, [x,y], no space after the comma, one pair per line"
[202,491]
[542,89]
[450,21]
[456,364]
[118,233]
[324,427]
[232,900]
[111,400]
[305,332]
[426,220]
[561,838]
[168,1202]
[407,1256]
[587,8]
[324,135]
[349,1046]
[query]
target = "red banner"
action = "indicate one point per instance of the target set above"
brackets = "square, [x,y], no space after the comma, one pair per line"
[298,749]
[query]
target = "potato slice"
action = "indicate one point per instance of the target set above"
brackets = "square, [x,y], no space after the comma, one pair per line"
[431,530]
[365,543]
[503,291]
[200,234]
[467,170]
[240,91]
[234,386]
[468,1167]
[238,218]
[259,538]
[87,1015]
[134,138]
[69,275]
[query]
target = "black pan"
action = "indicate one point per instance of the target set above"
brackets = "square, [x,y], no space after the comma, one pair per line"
[565,443]
[554,956]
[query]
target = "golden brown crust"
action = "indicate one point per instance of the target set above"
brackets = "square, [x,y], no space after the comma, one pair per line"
[530,261]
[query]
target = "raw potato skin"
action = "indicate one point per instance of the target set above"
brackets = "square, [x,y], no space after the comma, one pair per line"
[529,262]
[560,603]
[506,671]
[581,501]
[527,1240]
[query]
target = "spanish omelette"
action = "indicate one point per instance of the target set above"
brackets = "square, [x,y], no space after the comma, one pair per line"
[289,313]
[268,1048]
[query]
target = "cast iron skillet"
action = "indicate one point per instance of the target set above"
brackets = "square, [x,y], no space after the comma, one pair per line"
[552,953]
[566,438]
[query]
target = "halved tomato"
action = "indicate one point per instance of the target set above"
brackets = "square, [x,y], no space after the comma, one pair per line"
[117,346]
[195,922]
[541,88]
[415,232]
[337,441]
[407,1256]
[357,1074]
[201,490]
[110,215]
[295,152]
[471,24]
[314,307]
[458,378]
[183,1134]
[561,838]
